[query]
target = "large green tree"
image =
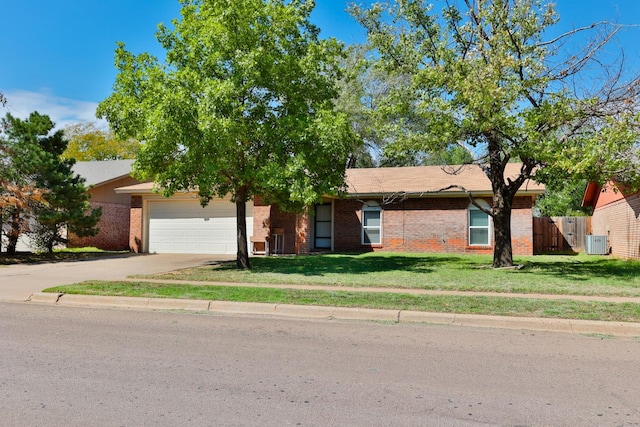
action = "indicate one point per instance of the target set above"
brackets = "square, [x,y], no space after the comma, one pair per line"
[365,91]
[43,197]
[489,76]
[361,89]
[243,105]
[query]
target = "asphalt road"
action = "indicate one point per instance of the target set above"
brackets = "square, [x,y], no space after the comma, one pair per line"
[65,366]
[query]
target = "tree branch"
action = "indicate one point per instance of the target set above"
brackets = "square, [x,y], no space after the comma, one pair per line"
[580,29]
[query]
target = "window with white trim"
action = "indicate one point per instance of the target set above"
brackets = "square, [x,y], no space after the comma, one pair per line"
[479,225]
[371,224]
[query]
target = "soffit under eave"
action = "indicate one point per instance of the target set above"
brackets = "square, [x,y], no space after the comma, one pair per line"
[591,192]
[432,195]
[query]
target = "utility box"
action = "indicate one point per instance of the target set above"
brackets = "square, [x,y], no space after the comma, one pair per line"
[595,245]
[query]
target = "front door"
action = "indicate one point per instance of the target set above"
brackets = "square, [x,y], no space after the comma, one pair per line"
[322,227]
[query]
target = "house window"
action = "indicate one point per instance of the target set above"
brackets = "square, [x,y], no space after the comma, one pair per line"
[479,225]
[371,224]
[322,227]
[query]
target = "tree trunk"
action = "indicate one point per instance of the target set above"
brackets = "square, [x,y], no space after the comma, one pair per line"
[351,161]
[503,195]
[14,231]
[242,259]
[502,249]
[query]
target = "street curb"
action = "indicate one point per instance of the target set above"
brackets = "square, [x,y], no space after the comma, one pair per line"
[622,329]
[44,297]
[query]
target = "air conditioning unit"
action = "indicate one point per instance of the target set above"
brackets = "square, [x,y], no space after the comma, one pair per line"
[595,245]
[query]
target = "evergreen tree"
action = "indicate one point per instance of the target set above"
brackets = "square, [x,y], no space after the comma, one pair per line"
[34,154]
[21,155]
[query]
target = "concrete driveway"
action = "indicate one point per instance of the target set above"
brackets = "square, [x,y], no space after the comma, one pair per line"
[19,282]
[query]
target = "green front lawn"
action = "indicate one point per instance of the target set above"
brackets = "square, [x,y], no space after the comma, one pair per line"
[559,274]
[501,306]
[563,275]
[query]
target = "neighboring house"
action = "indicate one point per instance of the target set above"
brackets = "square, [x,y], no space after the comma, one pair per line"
[384,209]
[102,178]
[616,214]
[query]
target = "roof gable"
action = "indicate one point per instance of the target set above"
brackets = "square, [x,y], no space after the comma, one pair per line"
[596,195]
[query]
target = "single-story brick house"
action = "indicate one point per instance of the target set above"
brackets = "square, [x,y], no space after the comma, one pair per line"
[102,178]
[384,209]
[616,214]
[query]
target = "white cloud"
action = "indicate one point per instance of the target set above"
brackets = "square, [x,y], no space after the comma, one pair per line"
[63,111]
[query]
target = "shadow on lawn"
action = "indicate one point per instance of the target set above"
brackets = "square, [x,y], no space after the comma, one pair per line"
[321,265]
[578,270]
[584,269]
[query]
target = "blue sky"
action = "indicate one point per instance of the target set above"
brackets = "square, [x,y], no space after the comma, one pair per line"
[57,56]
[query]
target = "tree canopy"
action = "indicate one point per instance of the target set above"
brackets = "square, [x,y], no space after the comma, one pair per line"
[365,91]
[88,142]
[485,75]
[563,198]
[242,106]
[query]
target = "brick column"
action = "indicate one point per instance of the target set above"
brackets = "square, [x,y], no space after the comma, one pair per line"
[303,244]
[135,224]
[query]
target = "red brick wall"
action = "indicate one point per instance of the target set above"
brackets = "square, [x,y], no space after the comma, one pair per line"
[347,225]
[522,226]
[135,224]
[114,229]
[303,234]
[287,222]
[267,218]
[427,225]
[261,219]
[620,222]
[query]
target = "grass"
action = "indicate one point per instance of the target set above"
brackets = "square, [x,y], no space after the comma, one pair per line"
[559,275]
[520,307]
[554,274]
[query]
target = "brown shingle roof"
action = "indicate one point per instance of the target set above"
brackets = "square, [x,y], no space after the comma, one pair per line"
[413,180]
[425,180]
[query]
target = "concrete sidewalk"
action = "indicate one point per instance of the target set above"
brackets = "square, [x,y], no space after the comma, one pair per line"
[20,283]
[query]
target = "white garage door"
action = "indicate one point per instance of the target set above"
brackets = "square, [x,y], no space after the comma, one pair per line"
[185,227]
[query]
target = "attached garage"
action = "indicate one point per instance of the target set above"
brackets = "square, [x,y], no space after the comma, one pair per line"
[183,226]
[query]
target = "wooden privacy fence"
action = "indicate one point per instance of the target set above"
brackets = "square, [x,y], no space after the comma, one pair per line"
[560,234]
